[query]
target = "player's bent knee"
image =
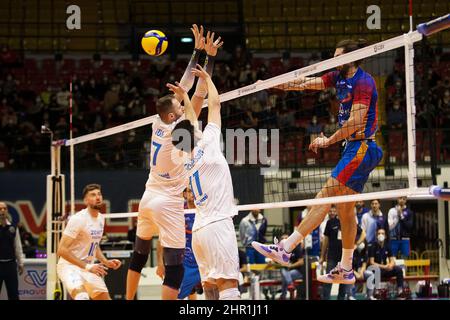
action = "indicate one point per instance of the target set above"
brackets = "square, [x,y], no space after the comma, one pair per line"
[173,263]
[174,276]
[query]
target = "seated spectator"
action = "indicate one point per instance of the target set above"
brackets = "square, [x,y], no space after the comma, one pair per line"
[396,116]
[293,271]
[380,255]
[400,219]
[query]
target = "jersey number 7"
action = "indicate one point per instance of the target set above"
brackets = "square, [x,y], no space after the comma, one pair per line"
[157,147]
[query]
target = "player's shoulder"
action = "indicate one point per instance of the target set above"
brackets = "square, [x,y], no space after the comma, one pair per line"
[365,78]
[79,216]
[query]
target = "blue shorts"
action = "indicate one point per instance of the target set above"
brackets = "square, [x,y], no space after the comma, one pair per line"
[358,160]
[400,245]
[190,279]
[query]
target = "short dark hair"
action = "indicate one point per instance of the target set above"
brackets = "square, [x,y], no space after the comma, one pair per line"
[90,187]
[350,45]
[375,200]
[179,138]
[164,105]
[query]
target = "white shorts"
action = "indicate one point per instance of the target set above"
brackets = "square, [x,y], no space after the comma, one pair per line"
[216,251]
[74,277]
[163,214]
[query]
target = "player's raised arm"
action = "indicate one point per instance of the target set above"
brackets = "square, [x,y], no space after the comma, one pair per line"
[213,96]
[309,83]
[188,109]
[187,80]
[201,90]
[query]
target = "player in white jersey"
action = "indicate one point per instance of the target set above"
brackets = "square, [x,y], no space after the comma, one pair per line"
[213,239]
[79,248]
[161,207]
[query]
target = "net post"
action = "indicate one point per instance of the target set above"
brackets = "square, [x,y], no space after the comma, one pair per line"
[55,207]
[410,111]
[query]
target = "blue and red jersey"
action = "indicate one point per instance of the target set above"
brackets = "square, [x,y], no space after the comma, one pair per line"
[359,89]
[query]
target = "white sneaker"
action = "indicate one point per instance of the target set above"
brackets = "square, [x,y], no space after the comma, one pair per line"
[338,275]
[274,251]
[351,298]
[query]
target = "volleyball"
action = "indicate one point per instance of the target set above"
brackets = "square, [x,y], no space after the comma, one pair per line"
[154,42]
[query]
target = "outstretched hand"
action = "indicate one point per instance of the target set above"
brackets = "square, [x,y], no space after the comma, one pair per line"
[198,36]
[319,142]
[200,72]
[176,89]
[212,46]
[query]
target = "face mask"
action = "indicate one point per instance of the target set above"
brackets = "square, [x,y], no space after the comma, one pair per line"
[380,238]
[361,246]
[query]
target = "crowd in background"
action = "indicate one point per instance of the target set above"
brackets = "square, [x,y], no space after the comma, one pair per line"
[110,92]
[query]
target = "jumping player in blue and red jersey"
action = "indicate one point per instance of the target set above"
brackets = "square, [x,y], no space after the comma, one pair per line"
[358,113]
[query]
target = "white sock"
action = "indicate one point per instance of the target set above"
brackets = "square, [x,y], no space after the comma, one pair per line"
[294,239]
[347,259]
[230,294]
[82,296]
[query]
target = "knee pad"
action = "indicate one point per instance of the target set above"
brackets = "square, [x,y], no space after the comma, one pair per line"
[142,246]
[138,261]
[174,276]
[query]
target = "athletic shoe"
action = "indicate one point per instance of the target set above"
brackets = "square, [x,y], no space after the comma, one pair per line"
[351,298]
[274,251]
[338,275]
[372,298]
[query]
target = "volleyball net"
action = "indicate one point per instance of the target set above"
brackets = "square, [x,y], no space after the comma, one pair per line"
[267,133]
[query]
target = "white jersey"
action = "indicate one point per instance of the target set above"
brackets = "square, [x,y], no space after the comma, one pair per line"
[87,232]
[210,180]
[166,176]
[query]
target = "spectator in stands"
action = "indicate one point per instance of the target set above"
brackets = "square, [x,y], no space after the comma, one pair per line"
[253,228]
[373,220]
[314,128]
[42,238]
[111,98]
[28,242]
[293,271]
[360,210]
[331,126]
[247,120]
[380,255]
[8,57]
[286,119]
[396,116]
[400,219]
[331,251]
